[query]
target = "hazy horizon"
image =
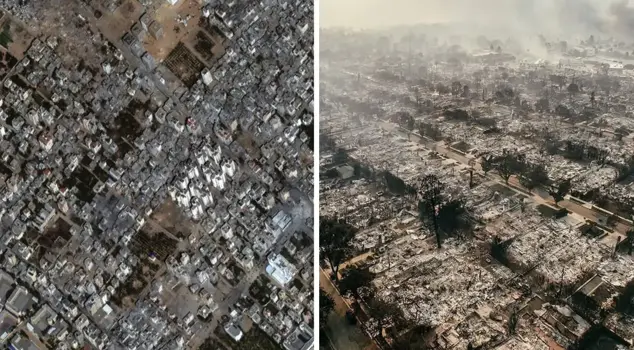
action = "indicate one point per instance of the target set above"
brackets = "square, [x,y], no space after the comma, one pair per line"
[566,18]
[367,14]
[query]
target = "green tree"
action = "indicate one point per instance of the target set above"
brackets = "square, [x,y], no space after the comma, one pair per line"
[353,279]
[326,306]
[466,91]
[535,176]
[559,191]
[471,347]
[357,169]
[508,165]
[563,111]
[430,131]
[334,242]
[442,89]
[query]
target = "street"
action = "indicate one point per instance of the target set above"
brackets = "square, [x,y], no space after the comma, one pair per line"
[341,334]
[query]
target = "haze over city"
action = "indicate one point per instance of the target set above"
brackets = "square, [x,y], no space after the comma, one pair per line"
[566,18]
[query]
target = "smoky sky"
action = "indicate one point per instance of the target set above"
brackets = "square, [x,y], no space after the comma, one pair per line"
[559,18]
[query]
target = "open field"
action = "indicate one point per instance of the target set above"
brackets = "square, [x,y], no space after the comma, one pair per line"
[168,16]
[14,37]
[115,25]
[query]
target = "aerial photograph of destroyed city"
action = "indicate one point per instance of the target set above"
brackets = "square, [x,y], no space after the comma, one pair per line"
[156,174]
[476,178]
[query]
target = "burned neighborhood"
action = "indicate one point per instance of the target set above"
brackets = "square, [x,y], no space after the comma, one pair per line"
[476,188]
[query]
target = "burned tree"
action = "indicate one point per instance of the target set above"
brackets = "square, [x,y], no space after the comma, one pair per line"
[499,250]
[542,105]
[395,184]
[411,123]
[340,156]
[430,198]
[440,214]
[430,131]
[456,87]
[512,323]
[386,315]
[487,164]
